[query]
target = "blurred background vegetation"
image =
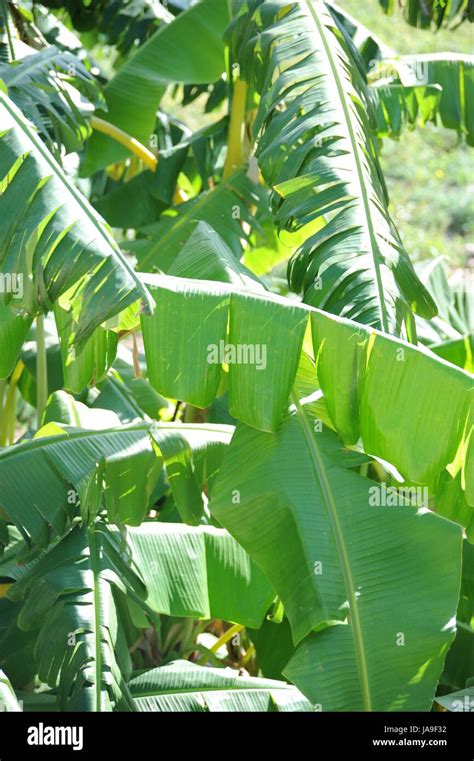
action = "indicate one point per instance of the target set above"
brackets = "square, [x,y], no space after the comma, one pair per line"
[430,177]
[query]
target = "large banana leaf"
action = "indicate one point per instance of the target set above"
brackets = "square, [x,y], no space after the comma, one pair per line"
[183,686]
[375,386]
[189,50]
[200,572]
[356,613]
[70,468]
[318,154]
[52,238]
[68,597]
[56,91]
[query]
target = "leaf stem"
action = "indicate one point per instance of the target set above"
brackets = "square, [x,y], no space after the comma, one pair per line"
[224,638]
[131,143]
[41,369]
[235,140]
[7,430]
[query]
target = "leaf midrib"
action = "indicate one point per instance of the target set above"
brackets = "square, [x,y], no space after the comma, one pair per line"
[198,690]
[44,441]
[355,153]
[323,481]
[97,635]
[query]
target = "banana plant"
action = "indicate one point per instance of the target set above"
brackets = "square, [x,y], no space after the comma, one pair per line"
[236,416]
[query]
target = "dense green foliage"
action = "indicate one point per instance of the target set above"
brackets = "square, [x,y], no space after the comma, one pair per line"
[236,447]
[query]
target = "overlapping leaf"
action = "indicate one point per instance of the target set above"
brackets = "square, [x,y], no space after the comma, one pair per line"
[375,386]
[52,239]
[117,468]
[200,572]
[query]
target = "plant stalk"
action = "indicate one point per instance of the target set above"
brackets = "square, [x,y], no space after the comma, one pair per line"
[133,145]
[41,369]
[235,140]
[7,429]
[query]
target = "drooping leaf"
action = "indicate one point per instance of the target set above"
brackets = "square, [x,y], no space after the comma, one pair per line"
[68,597]
[53,239]
[183,686]
[200,572]
[70,468]
[374,385]
[90,365]
[57,93]
[13,331]
[454,73]
[397,108]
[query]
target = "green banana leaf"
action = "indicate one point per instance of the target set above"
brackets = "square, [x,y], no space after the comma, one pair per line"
[374,385]
[90,365]
[58,244]
[319,156]
[74,472]
[398,108]
[13,331]
[68,598]
[294,502]
[183,686]
[200,572]
[455,74]
[224,208]
[189,50]
[57,93]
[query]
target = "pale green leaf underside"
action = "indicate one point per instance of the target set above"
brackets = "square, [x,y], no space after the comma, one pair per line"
[375,386]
